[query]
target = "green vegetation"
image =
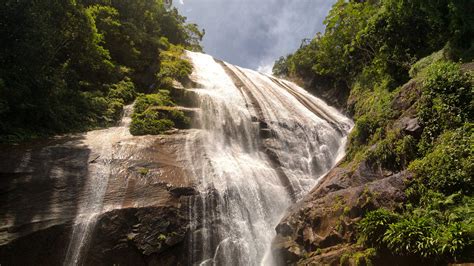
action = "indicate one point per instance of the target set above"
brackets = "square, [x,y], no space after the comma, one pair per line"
[156,113]
[358,258]
[437,222]
[440,231]
[447,101]
[143,171]
[368,53]
[344,260]
[384,37]
[162,237]
[71,65]
[374,226]
[448,167]
[173,66]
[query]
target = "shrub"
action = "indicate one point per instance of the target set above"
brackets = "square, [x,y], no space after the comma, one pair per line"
[365,257]
[344,260]
[446,78]
[360,136]
[437,223]
[430,235]
[155,114]
[449,167]
[173,66]
[114,110]
[96,103]
[393,152]
[383,155]
[406,150]
[372,111]
[162,98]
[413,235]
[363,129]
[147,125]
[372,99]
[423,63]
[101,111]
[280,67]
[178,117]
[441,228]
[374,225]
[446,102]
[124,90]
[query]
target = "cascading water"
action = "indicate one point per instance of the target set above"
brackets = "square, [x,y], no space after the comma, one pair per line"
[263,144]
[101,142]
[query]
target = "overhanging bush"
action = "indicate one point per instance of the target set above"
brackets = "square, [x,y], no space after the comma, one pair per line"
[156,113]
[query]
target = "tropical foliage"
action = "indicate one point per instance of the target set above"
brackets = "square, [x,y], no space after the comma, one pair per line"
[156,113]
[70,65]
[369,51]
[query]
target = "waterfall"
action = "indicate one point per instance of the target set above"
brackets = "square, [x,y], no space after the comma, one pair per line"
[101,142]
[262,144]
[258,145]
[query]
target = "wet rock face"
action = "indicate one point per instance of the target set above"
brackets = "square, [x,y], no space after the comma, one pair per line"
[41,247]
[139,236]
[45,184]
[135,236]
[40,185]
[321,228]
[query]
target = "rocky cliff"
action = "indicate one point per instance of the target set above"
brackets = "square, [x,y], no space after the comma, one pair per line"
[321,229]
[144,212]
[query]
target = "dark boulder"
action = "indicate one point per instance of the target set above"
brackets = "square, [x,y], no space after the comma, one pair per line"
[139,236]
[325,219]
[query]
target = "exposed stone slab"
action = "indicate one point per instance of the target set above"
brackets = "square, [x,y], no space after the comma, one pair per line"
[325,219]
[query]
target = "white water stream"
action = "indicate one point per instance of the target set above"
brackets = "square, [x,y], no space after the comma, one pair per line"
[101,142]
[262,144]
[246,180]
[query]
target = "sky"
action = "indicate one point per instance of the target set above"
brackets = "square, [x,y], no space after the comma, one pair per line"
[254,33]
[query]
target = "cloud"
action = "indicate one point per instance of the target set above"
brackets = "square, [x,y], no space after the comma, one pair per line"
[253,33]
[266,69]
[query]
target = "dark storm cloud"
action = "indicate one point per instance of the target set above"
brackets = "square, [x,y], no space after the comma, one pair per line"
[253,33]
